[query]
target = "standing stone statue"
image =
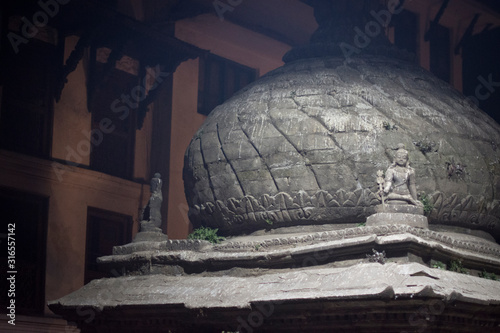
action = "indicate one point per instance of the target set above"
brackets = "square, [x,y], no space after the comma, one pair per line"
[155,201]
[399,187]
[150,225]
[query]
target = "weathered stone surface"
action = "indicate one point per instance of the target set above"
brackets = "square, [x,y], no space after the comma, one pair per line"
[319,127]
[360,280]
[393,295]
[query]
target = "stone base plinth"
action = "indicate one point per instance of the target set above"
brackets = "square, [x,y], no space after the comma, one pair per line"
[413,220]
[398,213]
[400,208]
[150,233]
[150,236]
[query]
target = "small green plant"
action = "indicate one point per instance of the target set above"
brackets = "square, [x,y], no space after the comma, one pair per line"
[457,266]
[362,224]
[268,221]
[208,234]
[439,265]
[426,201]
[257,247]
[489,276]
[389,127]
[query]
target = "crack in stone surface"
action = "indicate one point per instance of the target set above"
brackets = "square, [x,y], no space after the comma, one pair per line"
[210,184]
[329,135]
[228,160]
[258,153]
[285,136]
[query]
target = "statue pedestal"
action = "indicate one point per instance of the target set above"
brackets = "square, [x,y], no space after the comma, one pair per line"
[398,214]
[149,233]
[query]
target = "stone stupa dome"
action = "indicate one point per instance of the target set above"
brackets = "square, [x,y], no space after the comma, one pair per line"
[296,156]
[302,145]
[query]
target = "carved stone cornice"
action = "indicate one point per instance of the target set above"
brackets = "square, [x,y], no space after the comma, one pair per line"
[174,257]
[283,209]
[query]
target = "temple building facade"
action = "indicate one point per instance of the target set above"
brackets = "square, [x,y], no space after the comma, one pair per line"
[99,96]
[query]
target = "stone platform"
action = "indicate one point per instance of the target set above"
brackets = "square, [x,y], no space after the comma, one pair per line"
[299,282]
[365,297]
[342,247]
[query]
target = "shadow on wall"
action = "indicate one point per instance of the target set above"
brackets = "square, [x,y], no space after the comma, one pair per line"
[481,71]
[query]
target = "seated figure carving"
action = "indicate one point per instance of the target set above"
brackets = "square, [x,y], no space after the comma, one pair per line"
[399,186]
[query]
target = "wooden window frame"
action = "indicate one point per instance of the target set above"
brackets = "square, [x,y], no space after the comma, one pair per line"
[15,109]
[400,31]
[101,107]
[440,53]
[113,219]
[210,93]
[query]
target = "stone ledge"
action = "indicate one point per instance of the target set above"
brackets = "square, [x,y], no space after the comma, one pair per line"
[362,281]
[168,245]
[477,246]
[191,257]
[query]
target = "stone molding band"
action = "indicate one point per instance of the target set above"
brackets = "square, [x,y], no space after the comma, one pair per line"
[283,209]
[383,230]
[481,247]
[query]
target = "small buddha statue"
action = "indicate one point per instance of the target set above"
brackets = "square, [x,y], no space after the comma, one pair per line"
[399,186]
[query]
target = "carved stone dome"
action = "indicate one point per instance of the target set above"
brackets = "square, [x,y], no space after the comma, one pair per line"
[302,145]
